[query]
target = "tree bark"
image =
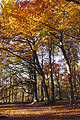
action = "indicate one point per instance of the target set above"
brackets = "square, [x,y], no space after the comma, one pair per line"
[51,74]
[68,65]
[42,94]
[10,90]
[6,91]
[43,76]
[15,97]
[12,93]
[60,95]
[22,95]
[34,77]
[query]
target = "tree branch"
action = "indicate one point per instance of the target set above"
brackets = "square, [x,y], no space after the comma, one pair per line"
[77,2]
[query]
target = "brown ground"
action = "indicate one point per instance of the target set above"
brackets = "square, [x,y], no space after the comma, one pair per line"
[61,110]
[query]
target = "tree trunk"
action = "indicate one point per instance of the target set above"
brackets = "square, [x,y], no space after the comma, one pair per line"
[6,95]
[42,94]
[10,90]
[15,97]
[68,65]
[12,93]
[51,75]
[57,78]
[35,87]
[22,95]
[35,80]
[43,76]
[71,87]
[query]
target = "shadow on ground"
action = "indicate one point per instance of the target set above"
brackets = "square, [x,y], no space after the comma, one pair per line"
[41,117]
[61,110]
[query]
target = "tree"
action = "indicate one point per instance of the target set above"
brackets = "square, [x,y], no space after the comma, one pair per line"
[38,21]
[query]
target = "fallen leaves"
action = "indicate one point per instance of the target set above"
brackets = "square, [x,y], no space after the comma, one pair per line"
[38,111]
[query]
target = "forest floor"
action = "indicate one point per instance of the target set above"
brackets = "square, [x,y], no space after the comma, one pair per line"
[61,110]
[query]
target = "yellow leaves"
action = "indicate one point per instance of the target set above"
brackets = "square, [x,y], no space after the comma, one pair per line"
[12,59]
[78,68]
[50,0]
[7,1]
[31,19]
[1,46]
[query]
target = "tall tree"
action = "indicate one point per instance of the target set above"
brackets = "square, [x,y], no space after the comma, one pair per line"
[24,21]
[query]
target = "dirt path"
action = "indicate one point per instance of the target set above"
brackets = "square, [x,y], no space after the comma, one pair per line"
[61,110]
